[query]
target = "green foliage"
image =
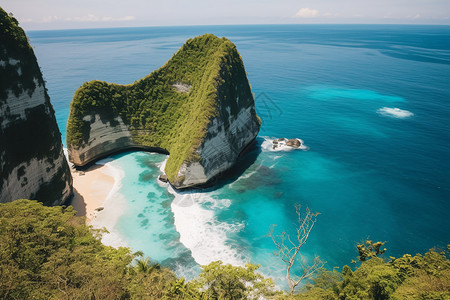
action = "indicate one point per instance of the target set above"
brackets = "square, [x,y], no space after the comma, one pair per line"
[49,253]
[407,277]
[425,277]
[372,280]
[154,283]
[14,45]
[370,249]
[219,281]
[155,112]
[324,286]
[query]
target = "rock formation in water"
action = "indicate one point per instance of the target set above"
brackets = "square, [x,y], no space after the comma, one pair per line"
[283,143]
[198,107]
[32,162]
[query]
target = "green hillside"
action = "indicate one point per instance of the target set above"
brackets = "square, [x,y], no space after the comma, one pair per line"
[49,253]
[159,115]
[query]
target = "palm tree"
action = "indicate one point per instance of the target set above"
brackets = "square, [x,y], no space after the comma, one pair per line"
[143,265]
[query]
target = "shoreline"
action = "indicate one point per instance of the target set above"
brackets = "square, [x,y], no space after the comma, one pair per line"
[91,188]
[200,231]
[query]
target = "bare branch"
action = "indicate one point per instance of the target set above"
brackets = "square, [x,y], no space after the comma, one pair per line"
[288,250]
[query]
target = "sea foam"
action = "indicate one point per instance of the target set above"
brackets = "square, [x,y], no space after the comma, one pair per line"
[196,221]
[114,206]
[395,112]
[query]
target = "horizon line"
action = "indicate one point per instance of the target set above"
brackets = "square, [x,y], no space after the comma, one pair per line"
[255,24]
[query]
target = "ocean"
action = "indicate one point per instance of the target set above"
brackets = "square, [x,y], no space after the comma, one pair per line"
[370,102]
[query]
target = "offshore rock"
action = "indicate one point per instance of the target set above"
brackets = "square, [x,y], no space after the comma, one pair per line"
[32,162]
[198,107]
[282,143]
[163,178]
[294,143]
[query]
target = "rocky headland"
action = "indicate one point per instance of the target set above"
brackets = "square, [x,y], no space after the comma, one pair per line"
[198,108]
[32,163]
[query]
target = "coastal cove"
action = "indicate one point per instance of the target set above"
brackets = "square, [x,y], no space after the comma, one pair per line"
[369,102]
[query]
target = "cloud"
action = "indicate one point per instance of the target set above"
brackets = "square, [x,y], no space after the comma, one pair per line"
[49,19]
[306,13]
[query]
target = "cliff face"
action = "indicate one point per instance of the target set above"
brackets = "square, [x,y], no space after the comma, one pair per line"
[233,127]
[198,107]
[32,162]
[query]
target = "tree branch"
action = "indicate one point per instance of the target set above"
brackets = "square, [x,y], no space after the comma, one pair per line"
[288,253]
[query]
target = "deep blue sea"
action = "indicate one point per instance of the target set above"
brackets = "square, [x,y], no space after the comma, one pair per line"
[372,103]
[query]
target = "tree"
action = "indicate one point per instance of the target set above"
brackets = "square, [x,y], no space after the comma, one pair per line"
[219,281]
[144,265]
[49,253]
[370,249]
[289,249]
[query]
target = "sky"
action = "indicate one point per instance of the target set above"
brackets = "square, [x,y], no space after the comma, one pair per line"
[72,14]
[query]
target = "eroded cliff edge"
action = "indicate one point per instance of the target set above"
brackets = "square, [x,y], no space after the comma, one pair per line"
[198,107]
[32,162]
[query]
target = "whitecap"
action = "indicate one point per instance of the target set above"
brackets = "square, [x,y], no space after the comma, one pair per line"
[200,230]
[395,112]
[248,174]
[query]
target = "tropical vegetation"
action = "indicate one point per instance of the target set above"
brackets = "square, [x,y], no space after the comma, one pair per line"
[160,115]
[49,253]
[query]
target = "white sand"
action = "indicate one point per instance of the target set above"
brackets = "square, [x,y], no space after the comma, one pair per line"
[91,188]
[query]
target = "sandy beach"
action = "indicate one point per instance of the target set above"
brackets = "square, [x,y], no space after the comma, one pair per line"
[91,188]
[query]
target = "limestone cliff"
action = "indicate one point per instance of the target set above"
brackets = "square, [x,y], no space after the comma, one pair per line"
[32,162]
[198,107]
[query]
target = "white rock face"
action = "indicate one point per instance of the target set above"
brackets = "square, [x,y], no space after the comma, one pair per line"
[105,138]
[182,87]
[17,106]
[35,174]
[28,170]
[221,148]
[219,151]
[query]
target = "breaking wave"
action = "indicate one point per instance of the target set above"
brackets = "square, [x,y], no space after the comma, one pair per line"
[395,112]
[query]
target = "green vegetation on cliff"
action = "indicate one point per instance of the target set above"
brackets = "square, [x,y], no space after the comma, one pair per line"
[48,253]
[14,46]
[28,129]
[159,115]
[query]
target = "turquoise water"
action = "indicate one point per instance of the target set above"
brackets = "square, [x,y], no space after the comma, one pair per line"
[372,103]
